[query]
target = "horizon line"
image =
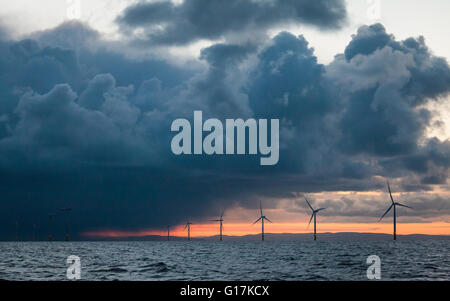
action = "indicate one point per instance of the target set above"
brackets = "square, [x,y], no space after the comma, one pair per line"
[243,229]
[268,233]
[164,238]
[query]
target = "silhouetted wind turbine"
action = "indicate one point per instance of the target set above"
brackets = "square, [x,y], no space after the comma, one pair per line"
[262,218]
[50,217]
[67,211]
[168,233]
[188,226]
[314,215]
[393,205]
[220,220]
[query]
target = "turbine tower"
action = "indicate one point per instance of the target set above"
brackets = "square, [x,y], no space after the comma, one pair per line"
[314,215]
[262,218]
[393,205]
[220,220]
[67,211]
[168,233]
[188,226]
[50,217]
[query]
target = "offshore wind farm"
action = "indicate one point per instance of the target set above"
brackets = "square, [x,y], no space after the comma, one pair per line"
[224,140]
[262,218]
[262,256]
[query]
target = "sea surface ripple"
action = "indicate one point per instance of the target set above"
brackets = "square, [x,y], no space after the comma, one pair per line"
[196,260]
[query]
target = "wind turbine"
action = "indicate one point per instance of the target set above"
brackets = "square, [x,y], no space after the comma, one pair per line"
[220,220]
[262,218]
[393,205]
[168,233]
[188,226]
[314,215]
[50,217]
[67,211]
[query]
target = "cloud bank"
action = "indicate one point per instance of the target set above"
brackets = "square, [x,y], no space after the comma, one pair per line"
[166,23]
[87,126]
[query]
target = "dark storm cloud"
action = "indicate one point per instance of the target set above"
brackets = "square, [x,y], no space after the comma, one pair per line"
[432,161]
[383,83]
[429,75]
[68,35]
[212,19]
[95,56]
[288,84]
[4,34]
[218,90]
[23,63]
[87,126]
[367,40]
[53,127]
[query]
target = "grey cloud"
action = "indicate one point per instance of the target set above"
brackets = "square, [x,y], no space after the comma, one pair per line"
[218,90]
[370,210]
[101,87]
[383,84]
[430,75]
[431,161]
[212,19]
[288,84]
[367,40]
[95,131]
[68,35]
[52,127]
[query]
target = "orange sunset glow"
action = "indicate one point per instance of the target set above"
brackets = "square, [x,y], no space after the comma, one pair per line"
[240,229]
[288,216]
[292,216]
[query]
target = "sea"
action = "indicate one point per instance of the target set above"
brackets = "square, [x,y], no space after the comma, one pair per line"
[226,261]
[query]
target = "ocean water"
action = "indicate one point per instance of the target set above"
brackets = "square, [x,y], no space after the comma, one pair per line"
[321,260]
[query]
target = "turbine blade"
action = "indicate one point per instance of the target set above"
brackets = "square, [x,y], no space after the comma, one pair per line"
[268,220]
[386,212]
[401,205]
[257,220]
[310,220]
[309,204]
[390,193]
[221,216]
[320,209]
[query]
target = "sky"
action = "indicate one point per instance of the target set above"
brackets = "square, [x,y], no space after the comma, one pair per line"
[89,89]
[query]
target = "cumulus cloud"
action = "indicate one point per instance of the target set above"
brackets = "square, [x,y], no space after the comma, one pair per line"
[89,126]
[166,23]
[383,84]
[369,209]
